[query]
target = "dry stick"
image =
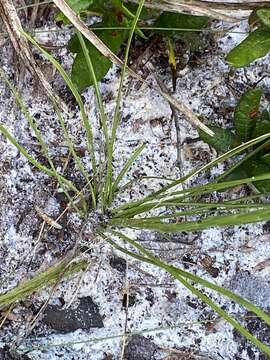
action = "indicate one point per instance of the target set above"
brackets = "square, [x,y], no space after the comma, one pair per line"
[236,5]
[13,25]
[195,8]
[211,9]
[34,14]
[94,39]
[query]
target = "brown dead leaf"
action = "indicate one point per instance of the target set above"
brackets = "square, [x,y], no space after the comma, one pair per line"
[48,220]
[262,265]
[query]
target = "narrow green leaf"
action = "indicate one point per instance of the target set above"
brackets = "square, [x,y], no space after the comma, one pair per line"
[163,192]
[255,46]
[116,115]
[127,165]
[223,140]
[205,223]
[245,114]
[86,122]
[64,268]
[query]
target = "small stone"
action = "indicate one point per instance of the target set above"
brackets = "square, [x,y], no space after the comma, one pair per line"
[140,348]
[85,316]
[118,263]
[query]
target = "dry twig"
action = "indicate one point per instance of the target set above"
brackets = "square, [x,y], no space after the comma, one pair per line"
[226,11]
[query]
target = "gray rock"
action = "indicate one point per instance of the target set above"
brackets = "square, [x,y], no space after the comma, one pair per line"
[85,316]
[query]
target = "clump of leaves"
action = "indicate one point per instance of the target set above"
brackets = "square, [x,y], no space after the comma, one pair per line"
[249,123]
[257,43]
[116,18]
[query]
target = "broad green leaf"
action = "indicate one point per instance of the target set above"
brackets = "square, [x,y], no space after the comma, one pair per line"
[255,46]
[181,21]
[237,174]
[264,16]
[223,140]
[262,127]
[259,167]
[79,5]
[113,39]
[146,14]
[245,115]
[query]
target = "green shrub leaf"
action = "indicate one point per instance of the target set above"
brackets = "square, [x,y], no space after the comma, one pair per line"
[245,115]
[223,140]
[181,21]
[255,46]
[264,16]
[113,39]
[79,5]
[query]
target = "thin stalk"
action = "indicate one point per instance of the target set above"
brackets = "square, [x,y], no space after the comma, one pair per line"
[103,116]
[86,123]
[118,103]
[126,167]
[76,158]
[92,75]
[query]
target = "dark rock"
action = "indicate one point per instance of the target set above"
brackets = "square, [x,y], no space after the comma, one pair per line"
[118,263]
[140,348]
[85,316]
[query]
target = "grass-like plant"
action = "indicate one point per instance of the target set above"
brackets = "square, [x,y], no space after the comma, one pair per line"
[103,185]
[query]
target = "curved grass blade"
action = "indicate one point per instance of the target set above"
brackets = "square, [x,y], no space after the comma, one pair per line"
[173,200]
[210,221]
[40,140]
[64,268]
[92,74]
[86,123]
[36,163]
[76,158]
[193,173]
[242,161]
[126,167]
